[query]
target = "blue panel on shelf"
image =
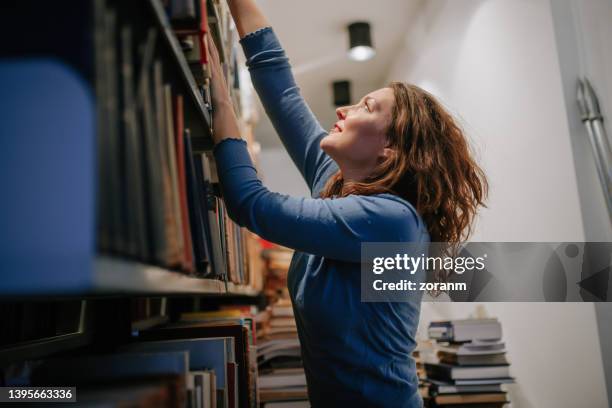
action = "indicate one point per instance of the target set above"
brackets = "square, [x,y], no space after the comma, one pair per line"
[47,178]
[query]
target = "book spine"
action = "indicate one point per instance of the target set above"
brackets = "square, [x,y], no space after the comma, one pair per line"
[188,263]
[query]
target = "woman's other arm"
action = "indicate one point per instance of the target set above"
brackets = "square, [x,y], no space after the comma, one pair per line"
[273,80]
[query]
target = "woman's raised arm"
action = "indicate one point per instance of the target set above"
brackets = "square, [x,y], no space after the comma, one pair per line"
[247,16]
[273,80]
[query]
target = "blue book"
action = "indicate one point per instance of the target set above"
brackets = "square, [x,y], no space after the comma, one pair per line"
[212,353]
[111,367]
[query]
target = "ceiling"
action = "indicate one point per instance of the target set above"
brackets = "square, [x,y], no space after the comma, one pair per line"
[315,38]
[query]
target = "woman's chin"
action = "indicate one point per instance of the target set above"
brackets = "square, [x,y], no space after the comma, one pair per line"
[328,143]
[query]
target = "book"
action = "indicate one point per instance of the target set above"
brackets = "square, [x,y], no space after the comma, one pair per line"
[174,172]
[199,231]
[282,321]
[117,368]
[474,347]
[183,11]
[188,256]
[212,206]
[148,393]
[471,398]
[283,377]
[440,387]
[283,394]
[158,249]
[171,226]
[239,333]
[443,371]
[472,359]
[135,209]
[287,404]
[465,330]
[112,141]
[213,353]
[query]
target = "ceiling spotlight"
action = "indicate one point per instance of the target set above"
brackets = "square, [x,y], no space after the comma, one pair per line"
[360,41]
[342,93]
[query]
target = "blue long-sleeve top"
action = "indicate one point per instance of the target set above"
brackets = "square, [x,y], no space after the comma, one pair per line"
[353,352]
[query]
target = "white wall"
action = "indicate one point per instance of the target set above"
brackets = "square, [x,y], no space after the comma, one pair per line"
[279,174]
[494,63]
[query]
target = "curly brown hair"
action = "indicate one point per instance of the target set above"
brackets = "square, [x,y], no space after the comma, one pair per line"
[432,167]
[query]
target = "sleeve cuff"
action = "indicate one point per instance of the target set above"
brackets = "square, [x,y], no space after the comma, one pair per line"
[231,153]
[260,40]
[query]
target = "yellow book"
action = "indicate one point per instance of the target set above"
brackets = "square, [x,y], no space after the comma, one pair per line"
[216,314]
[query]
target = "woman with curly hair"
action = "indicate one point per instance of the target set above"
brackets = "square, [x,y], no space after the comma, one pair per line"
[395,167]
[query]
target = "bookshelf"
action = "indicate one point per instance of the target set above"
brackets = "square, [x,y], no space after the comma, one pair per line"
[69,286]
[86,271]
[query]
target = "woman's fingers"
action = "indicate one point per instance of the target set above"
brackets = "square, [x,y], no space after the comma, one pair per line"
[214,53]
[219,85]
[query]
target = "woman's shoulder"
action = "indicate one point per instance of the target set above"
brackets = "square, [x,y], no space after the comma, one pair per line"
[393,212]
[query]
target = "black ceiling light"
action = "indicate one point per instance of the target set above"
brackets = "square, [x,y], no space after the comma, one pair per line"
[342,93]
[360,41]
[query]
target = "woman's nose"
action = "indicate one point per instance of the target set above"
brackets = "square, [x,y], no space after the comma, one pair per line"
[341,113]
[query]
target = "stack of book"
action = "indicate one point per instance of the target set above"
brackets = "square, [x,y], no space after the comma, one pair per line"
[277,260]
[281,372]
[472,365]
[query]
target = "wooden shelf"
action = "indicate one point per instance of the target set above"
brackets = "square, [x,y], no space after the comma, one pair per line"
[42,348]
[119,276]
[234,289]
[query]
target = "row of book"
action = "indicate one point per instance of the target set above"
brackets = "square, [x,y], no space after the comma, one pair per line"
[192,21]
[470,367]
[206,359]
[158,200]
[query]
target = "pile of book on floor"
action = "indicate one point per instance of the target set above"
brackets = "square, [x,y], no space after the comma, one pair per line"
[276,260]
[206,360]
[282,382]
[472,365]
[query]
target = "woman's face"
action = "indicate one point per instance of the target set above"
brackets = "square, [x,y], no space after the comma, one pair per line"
[358,139]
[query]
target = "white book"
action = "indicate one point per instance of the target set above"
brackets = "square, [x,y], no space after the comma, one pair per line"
[281,380]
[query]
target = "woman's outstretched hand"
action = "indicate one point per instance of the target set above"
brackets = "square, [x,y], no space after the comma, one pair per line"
[225,124]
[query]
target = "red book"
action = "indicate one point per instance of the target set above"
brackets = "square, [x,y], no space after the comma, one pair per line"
[203,32]
[182,179]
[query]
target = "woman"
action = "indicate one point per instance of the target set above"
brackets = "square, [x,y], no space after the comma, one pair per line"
[394,168]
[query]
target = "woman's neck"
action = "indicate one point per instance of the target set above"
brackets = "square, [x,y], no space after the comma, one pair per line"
[355,174]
